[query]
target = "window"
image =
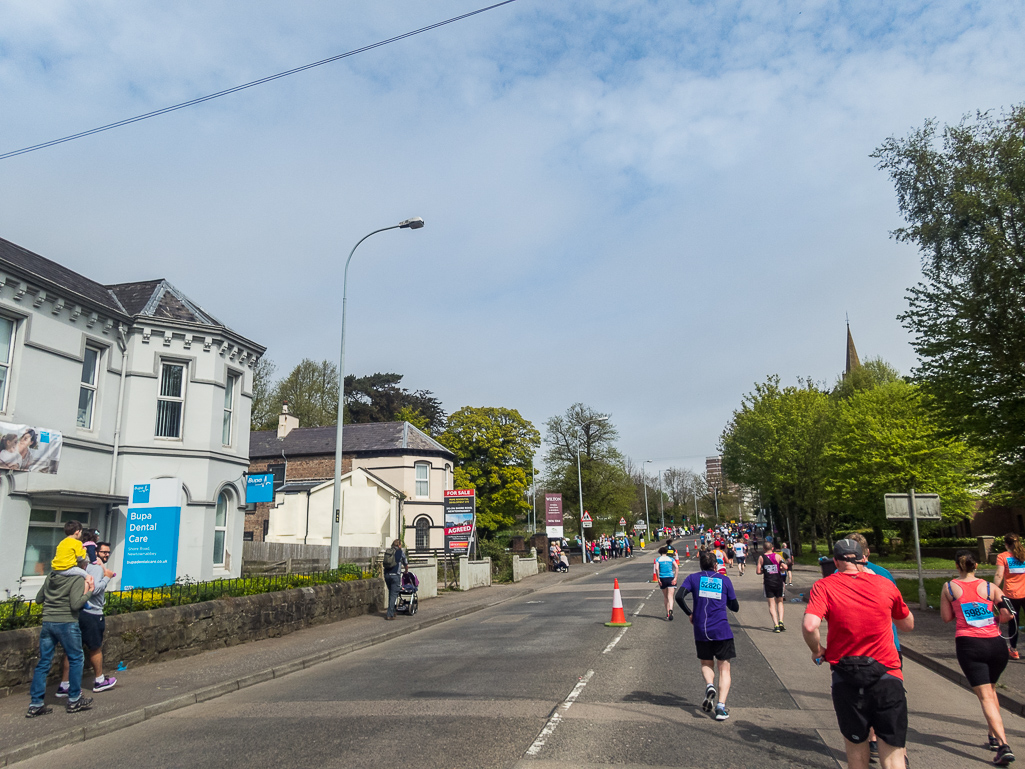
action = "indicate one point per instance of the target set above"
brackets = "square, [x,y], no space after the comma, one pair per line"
[45,530]
[279,475]
[87,390]
[6,346]
[220,527]
[423,534]
[229,402]
[171,401]
[423,482]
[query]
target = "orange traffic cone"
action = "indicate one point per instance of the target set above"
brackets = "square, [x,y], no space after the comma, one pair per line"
[618,617]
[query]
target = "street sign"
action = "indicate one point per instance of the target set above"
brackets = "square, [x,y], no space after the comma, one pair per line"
[586,524]
[898,507]
[640,526]
[586,517]
[622,521]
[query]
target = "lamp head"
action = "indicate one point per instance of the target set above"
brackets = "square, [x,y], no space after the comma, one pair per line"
[412,224]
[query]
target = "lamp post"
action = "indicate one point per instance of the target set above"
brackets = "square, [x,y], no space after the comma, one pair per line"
[661,496]
[647,520]
[336,506]
[580,489]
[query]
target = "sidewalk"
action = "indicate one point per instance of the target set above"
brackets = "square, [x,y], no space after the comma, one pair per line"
[931,644]
[147,691]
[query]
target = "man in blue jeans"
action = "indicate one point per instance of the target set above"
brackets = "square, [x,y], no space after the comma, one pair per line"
[62,596]
[395,562]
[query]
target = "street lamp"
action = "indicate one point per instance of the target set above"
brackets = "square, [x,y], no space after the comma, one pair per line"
[336,506]
[647,520]
[580,488]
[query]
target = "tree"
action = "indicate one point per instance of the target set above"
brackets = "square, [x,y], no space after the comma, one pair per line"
[379,398]
[495,448]
[871,373]
[311,391]
[579,427]
[963,199]
[682,487]
[264,415]
[887,440]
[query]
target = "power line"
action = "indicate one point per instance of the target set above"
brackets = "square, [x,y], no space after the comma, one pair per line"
[235,89]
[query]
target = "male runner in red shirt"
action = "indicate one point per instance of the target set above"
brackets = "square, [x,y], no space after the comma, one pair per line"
[868,686]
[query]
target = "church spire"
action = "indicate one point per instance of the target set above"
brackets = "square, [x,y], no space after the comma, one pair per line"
[852,353]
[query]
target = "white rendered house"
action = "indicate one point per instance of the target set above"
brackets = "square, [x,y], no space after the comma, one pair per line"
[142,383]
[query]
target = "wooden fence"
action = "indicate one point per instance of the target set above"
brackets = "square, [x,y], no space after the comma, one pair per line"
[288,558]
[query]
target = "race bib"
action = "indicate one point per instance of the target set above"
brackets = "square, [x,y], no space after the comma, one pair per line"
[710,587]
[978,614]
[1015,566]
[770,568]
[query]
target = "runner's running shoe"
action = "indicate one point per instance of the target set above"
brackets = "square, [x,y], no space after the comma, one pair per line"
[1013,653]
[709,702]
[782,629]
[776,629]
[721,712]
[1004,756]
[994,743]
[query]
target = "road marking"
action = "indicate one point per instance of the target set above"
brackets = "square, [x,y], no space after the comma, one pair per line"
[614,641]
[639,609]
[556,717]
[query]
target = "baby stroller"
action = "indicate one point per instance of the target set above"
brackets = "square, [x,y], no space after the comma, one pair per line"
[407,601]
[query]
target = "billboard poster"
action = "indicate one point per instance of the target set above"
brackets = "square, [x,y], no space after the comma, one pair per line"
[553,516]
[151,536]
[459,512]
[259,488]
[30,449]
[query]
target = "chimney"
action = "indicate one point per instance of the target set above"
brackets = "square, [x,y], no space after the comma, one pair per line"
[286,422]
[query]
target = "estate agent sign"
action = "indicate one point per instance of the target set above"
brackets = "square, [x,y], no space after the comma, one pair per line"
[553,516]
[459,520]
[151,537]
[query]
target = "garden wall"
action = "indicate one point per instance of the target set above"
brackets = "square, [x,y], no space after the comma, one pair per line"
[524,567]
[179,631]
[474,573]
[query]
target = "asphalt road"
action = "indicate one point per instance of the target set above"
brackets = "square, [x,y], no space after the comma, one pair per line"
[481,691]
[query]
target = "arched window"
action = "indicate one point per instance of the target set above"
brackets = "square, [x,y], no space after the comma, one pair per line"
[220,527]
[423,533]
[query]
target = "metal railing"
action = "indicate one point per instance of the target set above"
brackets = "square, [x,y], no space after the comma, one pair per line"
[19,612]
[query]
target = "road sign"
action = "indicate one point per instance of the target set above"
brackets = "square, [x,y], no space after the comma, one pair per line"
[587,517]
[898,507]
[640,526]
[586,524]
[622,521]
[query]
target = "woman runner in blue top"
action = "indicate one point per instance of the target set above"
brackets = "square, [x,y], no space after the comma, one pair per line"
[713,594]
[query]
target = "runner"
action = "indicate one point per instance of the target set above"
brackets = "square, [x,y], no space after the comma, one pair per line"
[981,652]
[740,548]
[713,594]
[1011,578]
[720,559]
[788,559]
[666,570]
[772,568]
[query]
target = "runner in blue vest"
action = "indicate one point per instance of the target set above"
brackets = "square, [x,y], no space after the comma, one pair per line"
[666,570]
[713,594]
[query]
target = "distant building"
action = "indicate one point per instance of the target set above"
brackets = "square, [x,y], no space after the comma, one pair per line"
[393,460]
[140,383]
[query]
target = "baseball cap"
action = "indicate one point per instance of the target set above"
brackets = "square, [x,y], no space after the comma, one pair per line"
[847,550]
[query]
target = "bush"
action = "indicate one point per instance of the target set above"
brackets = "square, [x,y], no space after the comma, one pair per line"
[966,542]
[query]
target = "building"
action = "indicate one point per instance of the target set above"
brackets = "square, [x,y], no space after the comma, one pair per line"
[392,456]
[127,382]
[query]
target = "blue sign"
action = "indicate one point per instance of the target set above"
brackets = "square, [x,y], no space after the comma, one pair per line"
[259,488]
[151,534]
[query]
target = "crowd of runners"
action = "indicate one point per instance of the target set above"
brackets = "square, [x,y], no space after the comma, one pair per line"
[865,612]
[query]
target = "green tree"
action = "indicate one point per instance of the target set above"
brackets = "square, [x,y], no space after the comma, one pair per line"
[494,448]
[264,414]
[379,398]
[414,417]
[962,194]
[871,373]
[887,440]
[311,391]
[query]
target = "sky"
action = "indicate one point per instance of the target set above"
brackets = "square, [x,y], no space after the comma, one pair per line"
[642,206]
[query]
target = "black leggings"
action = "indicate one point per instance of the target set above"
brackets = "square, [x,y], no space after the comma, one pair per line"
[1018,603]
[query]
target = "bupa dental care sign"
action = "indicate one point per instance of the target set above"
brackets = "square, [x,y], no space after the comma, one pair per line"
[151,534]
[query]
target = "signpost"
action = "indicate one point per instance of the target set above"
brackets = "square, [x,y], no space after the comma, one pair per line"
[586,521]
[459,520]
[902,507]
[151,541]
[259,488]
[553,516]
[640,526]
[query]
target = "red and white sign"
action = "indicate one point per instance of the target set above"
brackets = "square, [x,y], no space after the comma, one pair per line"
[622,521]
[460,493]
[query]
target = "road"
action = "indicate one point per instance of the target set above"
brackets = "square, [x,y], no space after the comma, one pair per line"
[539,682]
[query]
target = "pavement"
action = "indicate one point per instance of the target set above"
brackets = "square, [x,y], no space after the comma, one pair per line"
[641,691]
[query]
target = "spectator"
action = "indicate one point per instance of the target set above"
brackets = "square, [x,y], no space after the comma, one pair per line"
[867,682]
[91,621]
[62,596]
[395,561]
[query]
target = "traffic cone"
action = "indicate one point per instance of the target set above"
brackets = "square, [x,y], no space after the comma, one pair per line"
[618,617]
[687,550]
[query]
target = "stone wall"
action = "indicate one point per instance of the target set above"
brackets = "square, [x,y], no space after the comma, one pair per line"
[524,567]
[426,570]
[151,636]
[474,573]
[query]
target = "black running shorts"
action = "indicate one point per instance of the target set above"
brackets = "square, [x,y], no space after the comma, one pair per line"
[773,589]
[883,706]
[92,627]
[665,582]
[716,650]
[981,659]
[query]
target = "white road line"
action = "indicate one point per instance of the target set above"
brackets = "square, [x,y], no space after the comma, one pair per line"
[556,717]
[639,609]
[614,641]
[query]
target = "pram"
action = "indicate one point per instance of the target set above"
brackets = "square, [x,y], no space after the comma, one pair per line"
[407,601]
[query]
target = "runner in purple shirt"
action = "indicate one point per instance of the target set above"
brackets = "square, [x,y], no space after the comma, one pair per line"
[713,593]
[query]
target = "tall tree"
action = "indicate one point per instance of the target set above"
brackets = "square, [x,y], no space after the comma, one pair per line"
[495,449]
[580,427]
[682,487]
[311,391]
[379,398]
[962,194]
[264,414]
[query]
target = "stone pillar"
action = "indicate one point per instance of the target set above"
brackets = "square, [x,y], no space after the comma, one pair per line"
[985,549]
